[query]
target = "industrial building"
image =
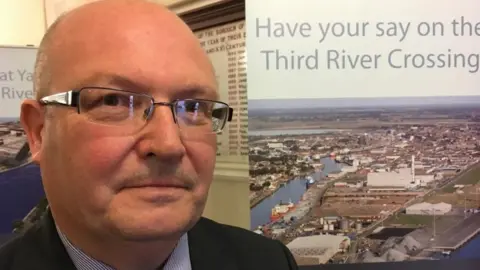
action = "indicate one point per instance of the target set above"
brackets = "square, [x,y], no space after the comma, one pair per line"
[393,250]
[400,178]
[275,145]
[318,248]
[425,208]
[403,178]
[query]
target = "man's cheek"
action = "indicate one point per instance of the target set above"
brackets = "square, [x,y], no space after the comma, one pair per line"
[203,157]
[102,154]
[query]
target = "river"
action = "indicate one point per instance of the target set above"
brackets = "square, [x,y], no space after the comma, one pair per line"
[469,251]
[277,132]
[260,214]
[20,190]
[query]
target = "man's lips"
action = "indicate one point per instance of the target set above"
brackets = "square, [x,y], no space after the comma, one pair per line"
[159,181]
[158,186]
[170,183]
[156,192]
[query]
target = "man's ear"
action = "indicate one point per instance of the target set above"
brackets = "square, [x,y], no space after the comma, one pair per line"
[32,119]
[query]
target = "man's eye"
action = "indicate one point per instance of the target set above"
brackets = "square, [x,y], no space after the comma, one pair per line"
[112,100]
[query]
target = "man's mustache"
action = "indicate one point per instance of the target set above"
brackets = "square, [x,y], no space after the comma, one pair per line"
[163,177]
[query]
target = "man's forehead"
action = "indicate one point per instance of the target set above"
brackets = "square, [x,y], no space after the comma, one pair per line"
[140,50]
[118,24]
[92,21]
[174,79]
[185,89]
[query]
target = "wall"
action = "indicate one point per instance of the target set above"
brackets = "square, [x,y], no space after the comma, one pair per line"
[22,22]
[55,7]
[228,200]
[183,6]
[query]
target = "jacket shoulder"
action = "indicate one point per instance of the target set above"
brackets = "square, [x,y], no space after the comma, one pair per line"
[32,250]
[9,251]
[250,248]
[239,235]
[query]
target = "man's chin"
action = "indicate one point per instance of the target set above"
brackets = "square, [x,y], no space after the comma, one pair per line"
[154,195]
[131,234]
[150,225]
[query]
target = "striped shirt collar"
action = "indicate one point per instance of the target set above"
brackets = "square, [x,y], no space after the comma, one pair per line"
[179,259]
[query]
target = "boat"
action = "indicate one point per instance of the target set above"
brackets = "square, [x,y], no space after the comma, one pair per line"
[280,210]
[310,182]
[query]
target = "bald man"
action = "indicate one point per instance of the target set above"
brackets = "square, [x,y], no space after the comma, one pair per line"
[124,129]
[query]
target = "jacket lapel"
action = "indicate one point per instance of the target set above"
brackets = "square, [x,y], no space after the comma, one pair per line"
[208,250]
[42,248]
[56,250]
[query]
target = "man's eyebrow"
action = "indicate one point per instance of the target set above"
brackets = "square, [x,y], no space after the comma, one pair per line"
[189,90]
[196,91]
[108,79]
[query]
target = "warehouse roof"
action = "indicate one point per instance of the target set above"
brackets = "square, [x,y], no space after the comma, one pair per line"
[318,241]
[425,205]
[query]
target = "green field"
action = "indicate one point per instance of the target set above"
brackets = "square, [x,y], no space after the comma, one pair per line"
[449,188]
[470,178]
[416,220]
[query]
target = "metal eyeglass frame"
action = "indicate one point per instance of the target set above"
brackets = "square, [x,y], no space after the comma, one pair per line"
[72,99]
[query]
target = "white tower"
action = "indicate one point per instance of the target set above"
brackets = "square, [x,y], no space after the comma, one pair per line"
[413,170]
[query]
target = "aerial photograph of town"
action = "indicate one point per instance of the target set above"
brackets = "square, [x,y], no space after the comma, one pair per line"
[20,182]
[367,180]
[12,141]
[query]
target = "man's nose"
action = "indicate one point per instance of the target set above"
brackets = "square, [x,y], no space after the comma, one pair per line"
[161,137]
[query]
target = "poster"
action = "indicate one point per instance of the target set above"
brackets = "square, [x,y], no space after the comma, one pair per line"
[364,128]
[20,182]
[56,8]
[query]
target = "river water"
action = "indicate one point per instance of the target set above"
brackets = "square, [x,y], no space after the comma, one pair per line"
[260,214]
[277,132]
[20,190]
[470,250]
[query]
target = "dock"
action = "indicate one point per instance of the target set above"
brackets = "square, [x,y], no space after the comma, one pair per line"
[458,235]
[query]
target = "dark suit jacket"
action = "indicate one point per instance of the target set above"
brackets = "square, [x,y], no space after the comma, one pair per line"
[212,246]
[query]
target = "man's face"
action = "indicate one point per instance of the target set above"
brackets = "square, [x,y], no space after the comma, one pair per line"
[89,169]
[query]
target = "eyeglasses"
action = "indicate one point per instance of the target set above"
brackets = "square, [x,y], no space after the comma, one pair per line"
[130,110]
